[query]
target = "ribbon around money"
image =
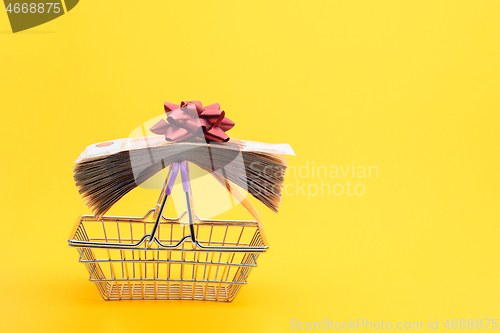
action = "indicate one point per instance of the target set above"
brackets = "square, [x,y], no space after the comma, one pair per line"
[191,119]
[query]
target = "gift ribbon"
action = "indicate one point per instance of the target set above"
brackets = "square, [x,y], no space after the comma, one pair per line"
[191,119]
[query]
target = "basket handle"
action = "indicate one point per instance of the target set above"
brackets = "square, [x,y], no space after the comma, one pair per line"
[183,166]
[186,186]
[166,191]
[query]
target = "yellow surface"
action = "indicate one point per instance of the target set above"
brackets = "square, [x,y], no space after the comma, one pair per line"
[410,87]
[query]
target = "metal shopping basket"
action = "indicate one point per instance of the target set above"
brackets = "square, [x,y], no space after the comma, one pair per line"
[154,257]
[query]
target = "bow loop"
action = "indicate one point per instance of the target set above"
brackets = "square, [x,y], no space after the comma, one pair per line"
[177,134]
[160,127]
[193,105]
[214,106]
[170,106]
[216,134]
[226,124]
[214,117]
[177,116]
[190,120]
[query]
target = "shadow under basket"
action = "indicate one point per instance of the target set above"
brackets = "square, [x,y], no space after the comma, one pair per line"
[154,257]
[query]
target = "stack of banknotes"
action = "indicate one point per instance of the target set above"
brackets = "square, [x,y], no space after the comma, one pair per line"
[107,171]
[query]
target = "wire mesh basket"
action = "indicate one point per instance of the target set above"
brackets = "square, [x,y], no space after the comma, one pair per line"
[154,257]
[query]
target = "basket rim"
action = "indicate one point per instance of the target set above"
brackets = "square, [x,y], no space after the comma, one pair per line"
[196,246]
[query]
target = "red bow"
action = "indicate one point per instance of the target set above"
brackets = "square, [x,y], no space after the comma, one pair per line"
[191,119]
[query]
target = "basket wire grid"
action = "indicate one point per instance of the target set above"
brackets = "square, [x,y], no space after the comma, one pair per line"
[154,257]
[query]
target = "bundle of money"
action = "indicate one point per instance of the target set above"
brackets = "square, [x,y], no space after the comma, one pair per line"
[105,172]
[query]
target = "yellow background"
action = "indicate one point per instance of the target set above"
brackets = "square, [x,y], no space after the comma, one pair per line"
[408,86]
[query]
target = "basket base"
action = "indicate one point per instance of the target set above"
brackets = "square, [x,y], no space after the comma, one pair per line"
[167,291]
